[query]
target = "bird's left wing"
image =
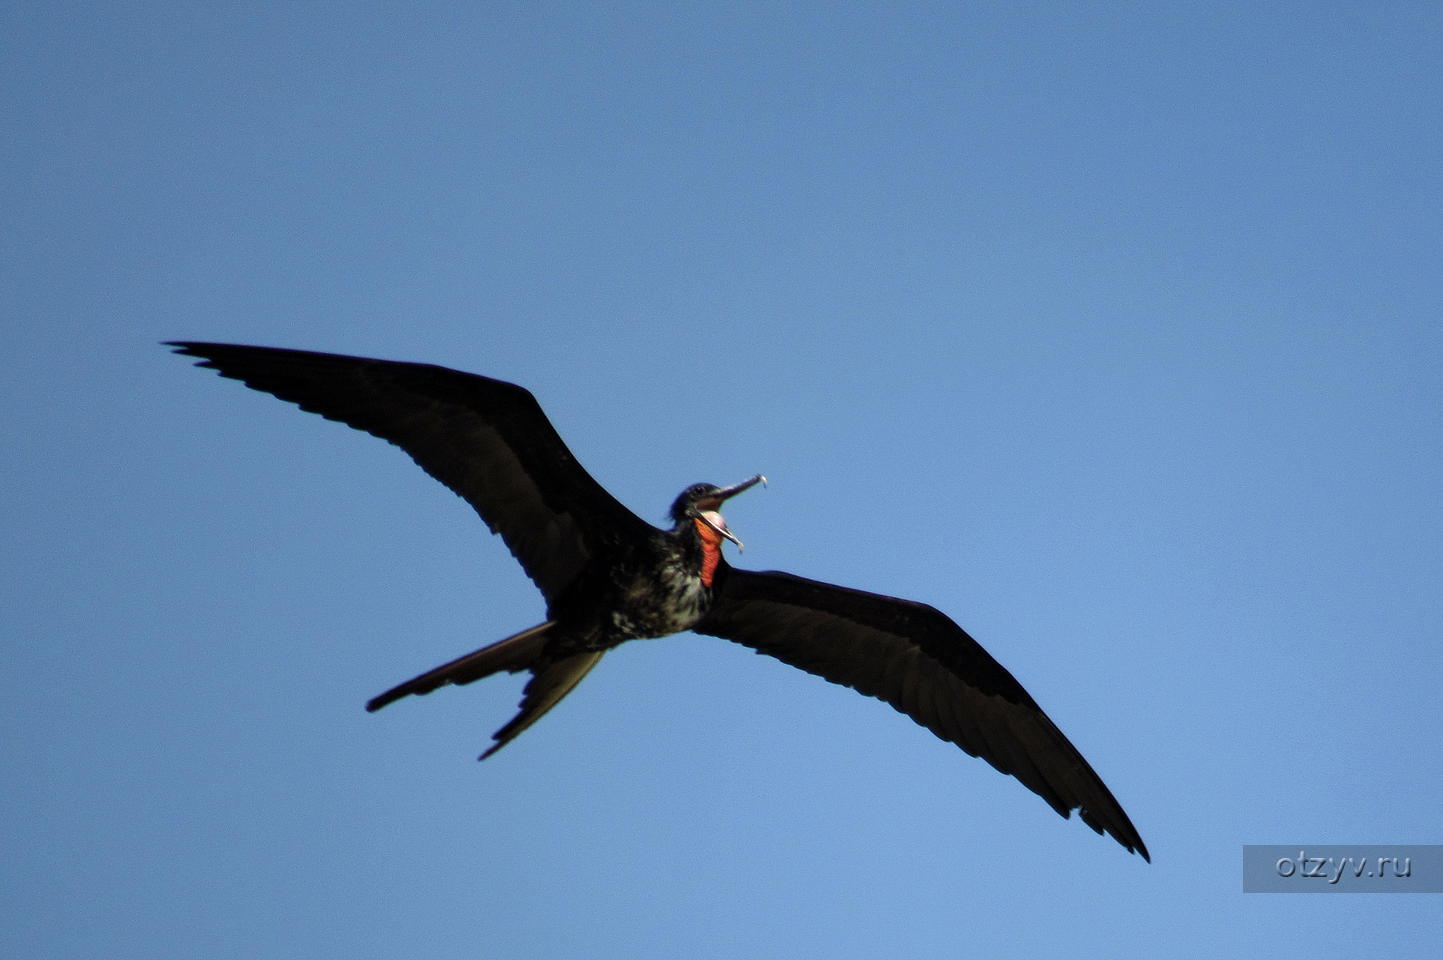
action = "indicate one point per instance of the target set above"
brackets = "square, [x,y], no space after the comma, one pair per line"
[916,659]
[486,439]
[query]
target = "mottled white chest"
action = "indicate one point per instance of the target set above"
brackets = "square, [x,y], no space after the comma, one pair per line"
[671,602]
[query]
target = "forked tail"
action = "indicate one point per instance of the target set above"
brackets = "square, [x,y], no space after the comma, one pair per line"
[551,680]
[518,652]
[550,683]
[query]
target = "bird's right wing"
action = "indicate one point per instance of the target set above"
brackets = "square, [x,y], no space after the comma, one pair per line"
[487,440]
[916,659]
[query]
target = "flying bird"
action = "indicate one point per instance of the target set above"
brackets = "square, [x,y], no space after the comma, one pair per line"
[608,576]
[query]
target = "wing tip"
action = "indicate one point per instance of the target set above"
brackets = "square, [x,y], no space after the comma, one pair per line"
[205,353]
[186,348]
[490,750]
[1134,844]
[1120,828]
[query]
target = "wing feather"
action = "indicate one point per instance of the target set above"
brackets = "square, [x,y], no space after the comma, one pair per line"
[487,440]
[916,659]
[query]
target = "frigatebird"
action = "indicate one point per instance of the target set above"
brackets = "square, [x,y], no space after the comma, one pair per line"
[608,576]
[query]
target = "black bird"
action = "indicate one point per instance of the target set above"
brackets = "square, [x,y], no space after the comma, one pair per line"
[608,576]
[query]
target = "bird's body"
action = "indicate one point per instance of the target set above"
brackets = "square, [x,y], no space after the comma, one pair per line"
[608,576]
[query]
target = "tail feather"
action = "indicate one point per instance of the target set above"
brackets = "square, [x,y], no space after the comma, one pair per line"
[544,691]
[520,651]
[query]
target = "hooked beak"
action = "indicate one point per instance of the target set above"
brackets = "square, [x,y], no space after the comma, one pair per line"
[706,510]
[727,493]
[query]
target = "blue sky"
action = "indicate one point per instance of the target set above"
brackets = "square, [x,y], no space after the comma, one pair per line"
[1112,330]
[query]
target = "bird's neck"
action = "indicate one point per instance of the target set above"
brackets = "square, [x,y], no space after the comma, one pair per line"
[701,547]
[711,548]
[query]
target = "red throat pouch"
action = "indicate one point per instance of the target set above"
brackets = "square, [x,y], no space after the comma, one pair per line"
[710,550]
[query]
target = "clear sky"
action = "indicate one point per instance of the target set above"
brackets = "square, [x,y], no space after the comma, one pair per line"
[1113,330]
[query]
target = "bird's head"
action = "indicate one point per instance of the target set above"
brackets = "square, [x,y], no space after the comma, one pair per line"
[700,504]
